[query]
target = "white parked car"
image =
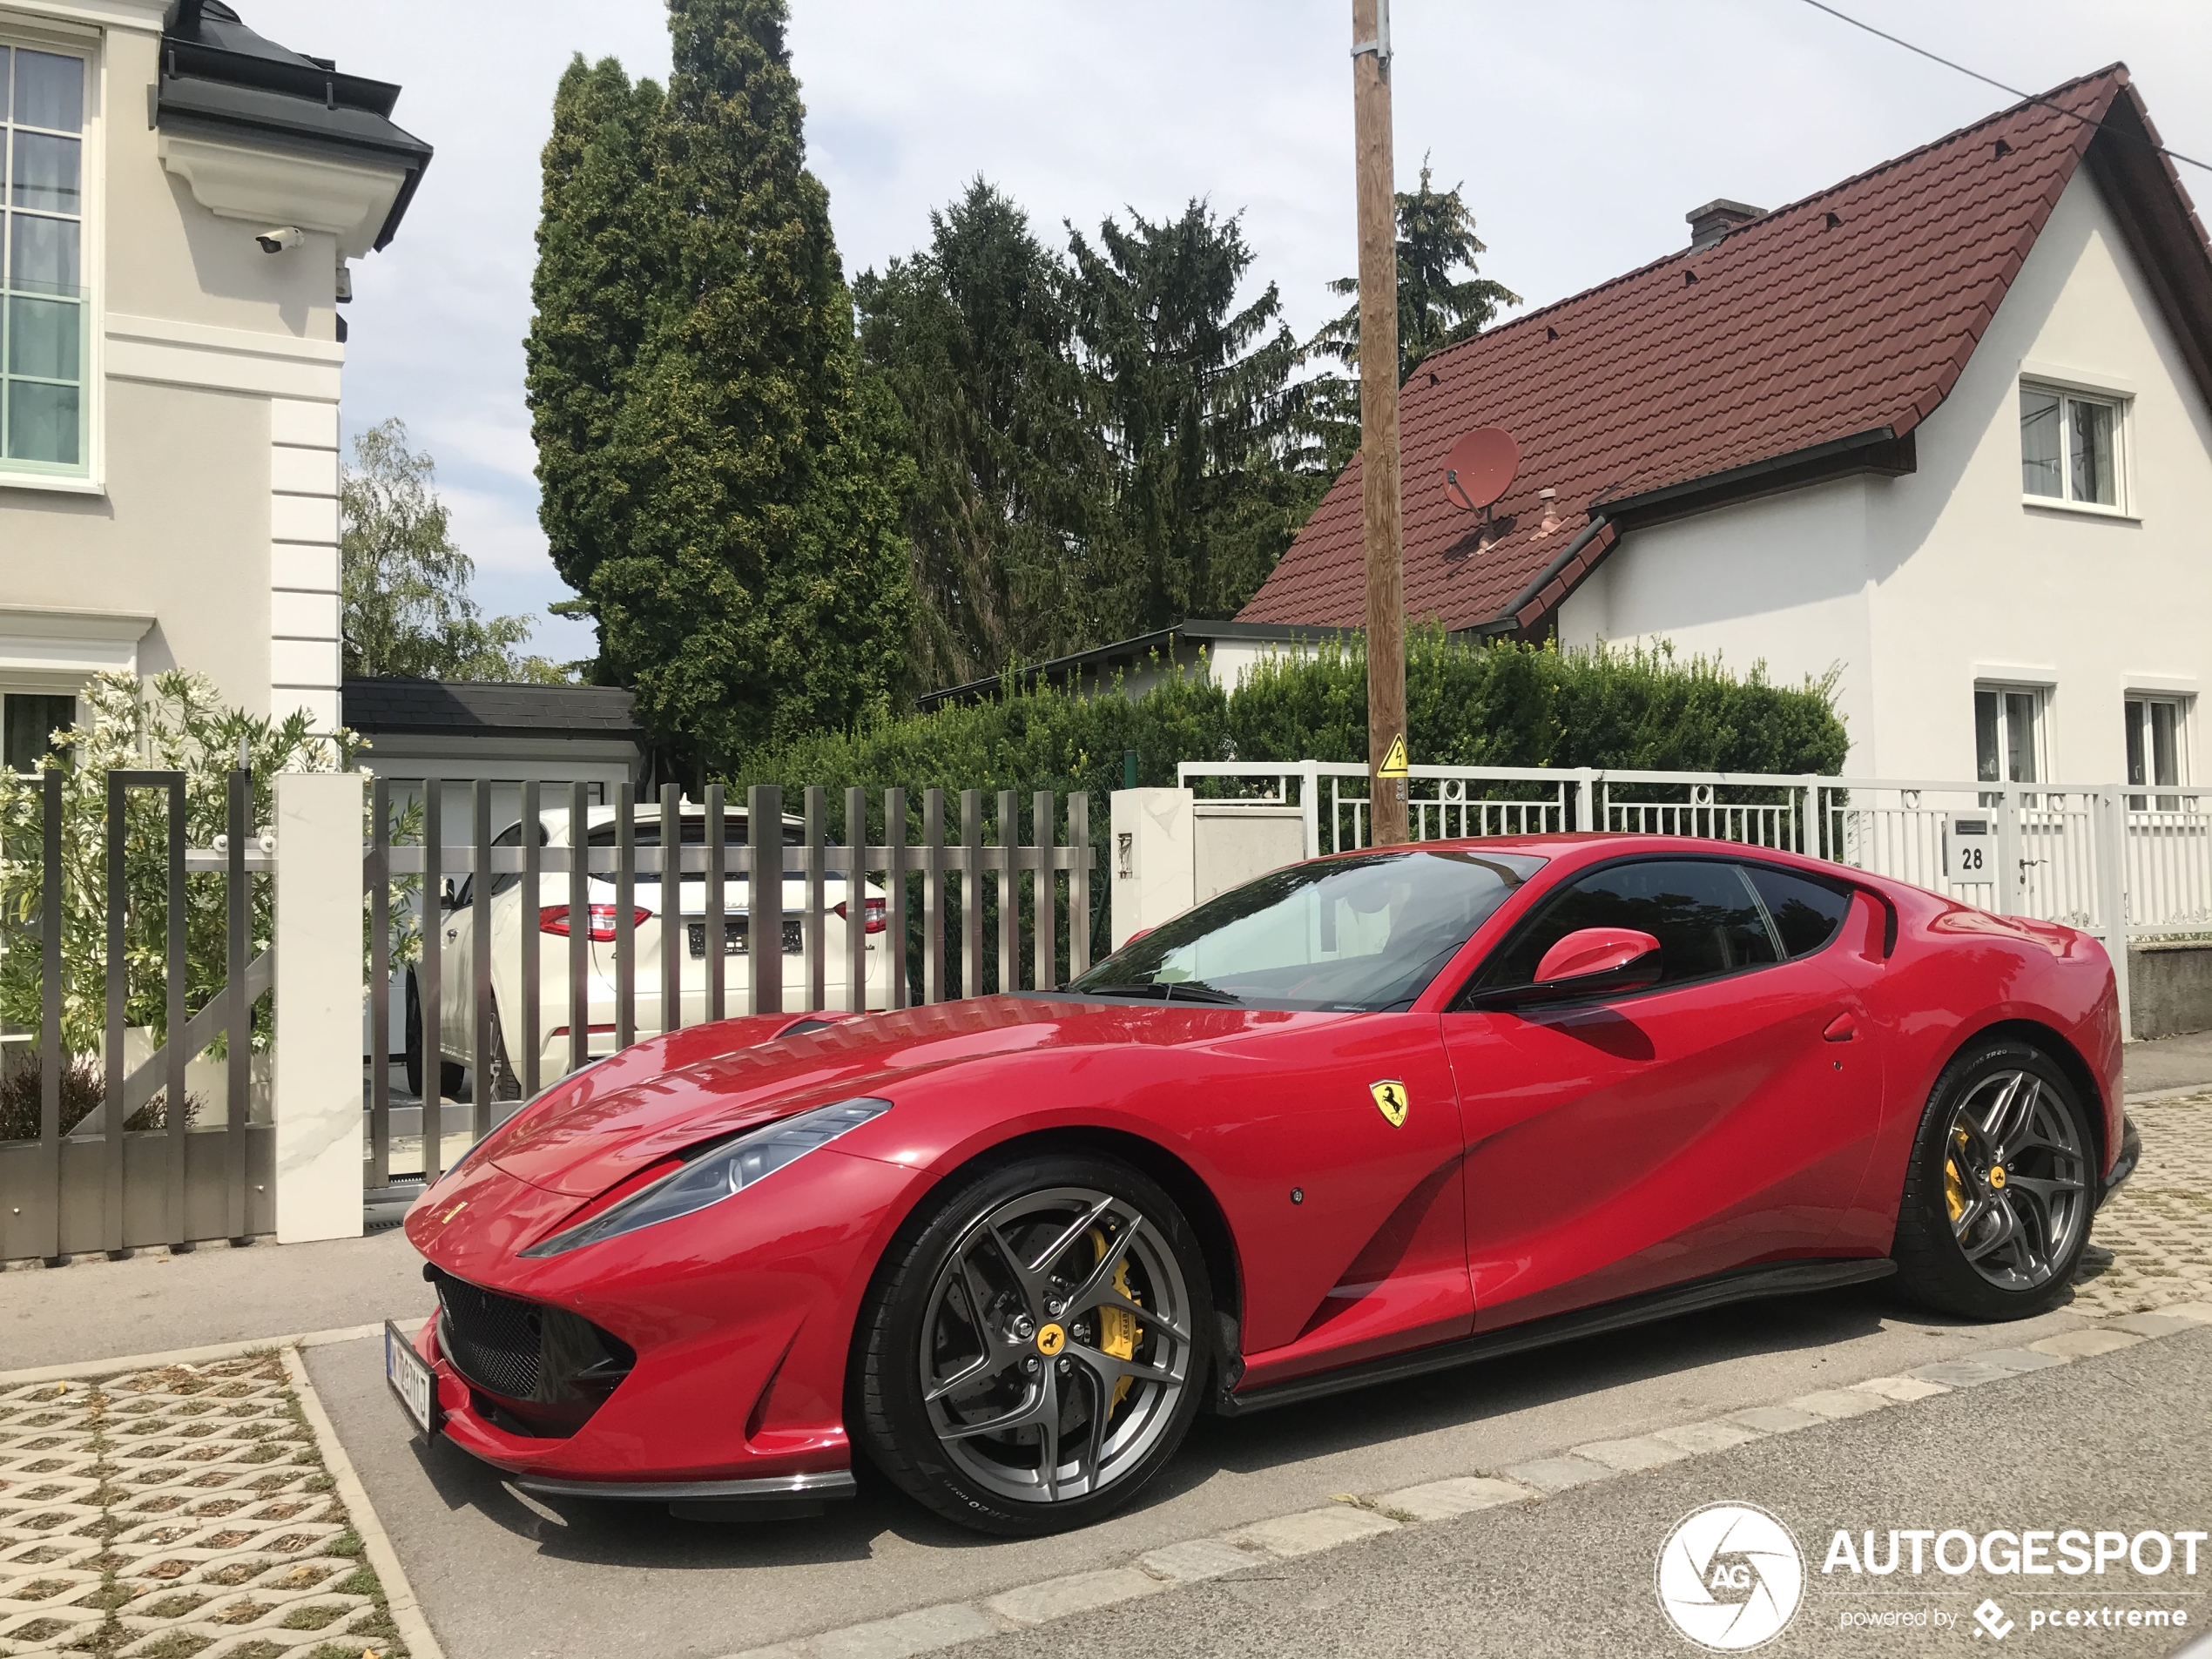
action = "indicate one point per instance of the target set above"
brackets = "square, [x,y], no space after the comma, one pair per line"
[544,923]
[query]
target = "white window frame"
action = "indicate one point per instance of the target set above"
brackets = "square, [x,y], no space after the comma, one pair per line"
[90,478]
[2038,734]
[2136,704]
[2070,390]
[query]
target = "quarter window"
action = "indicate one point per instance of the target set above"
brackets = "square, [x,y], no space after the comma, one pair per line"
[2156,751]
[2070,448]
[1807,914]
[1703,913]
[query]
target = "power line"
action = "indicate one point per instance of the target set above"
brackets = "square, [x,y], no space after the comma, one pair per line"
[2027,98]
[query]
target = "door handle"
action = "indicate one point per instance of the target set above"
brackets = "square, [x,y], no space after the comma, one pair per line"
[1842,1028]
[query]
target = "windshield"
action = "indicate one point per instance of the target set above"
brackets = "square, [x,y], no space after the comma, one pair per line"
[1362,933]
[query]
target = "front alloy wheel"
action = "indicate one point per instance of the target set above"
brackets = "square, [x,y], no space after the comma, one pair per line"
[1033,1356]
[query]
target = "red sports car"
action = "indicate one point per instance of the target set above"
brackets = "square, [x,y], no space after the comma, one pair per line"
[1364,1117]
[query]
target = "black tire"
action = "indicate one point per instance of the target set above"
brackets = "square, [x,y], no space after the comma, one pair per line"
[505,1084]
[2048,1186]
[1162,1261]
[449,1072]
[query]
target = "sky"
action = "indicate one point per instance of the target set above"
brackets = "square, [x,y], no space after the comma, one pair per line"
[1582,129]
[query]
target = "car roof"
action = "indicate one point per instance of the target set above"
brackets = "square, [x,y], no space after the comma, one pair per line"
[1583,847]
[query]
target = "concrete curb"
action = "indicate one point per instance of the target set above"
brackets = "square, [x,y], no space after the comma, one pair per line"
[93,1370]
[399,1595]
[2152,1097]
[1354,1516]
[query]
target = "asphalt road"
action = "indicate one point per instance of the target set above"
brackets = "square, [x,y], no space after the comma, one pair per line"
[2120,1442]
[502,1577]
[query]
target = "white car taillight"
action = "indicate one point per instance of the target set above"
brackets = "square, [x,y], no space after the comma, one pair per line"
[877,920]
[554,919]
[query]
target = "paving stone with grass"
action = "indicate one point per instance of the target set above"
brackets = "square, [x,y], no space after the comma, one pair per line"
[178,1513]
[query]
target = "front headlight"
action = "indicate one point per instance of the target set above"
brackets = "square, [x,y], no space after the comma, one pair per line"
[715,1175]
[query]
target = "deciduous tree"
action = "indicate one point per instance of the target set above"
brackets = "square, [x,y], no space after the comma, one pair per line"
[407,605]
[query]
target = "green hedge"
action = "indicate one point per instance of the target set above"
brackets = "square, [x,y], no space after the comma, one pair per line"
[1500,704]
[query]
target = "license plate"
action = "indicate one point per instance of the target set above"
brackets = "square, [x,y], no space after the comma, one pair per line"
[412,1379]
[736,937]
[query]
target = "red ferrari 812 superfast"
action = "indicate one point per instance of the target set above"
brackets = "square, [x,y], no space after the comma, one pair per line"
[1368,1117]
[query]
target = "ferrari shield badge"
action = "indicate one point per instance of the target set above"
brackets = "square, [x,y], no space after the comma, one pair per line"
[1391,1102]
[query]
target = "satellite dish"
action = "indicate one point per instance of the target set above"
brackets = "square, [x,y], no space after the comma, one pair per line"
[1480,468]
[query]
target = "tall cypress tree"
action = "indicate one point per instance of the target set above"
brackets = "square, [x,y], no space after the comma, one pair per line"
[722,476]
[600,270]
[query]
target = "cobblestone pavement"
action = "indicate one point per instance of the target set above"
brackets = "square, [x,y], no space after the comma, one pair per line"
[178,1513]
[2152,1244]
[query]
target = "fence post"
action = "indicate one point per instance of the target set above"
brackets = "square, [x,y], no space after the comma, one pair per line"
[2111,843]
[1586,798]
[1309,797]
[765,899]
[52,901]
[971,893]
[2009,851]
[1079,884]
[1812,832]
[894,884]
[319,988]
[1046,948]
[932,896]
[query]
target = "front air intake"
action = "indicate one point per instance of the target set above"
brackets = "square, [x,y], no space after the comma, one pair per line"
[545,1370]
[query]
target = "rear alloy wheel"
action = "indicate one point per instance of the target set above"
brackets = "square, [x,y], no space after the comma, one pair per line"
[1999,1196]
[1035,1354]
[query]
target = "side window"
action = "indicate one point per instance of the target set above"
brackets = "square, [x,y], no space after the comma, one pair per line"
[511,836]
[1702,912]
[1807,914]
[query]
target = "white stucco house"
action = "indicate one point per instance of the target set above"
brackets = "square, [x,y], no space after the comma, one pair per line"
[183,197]
[1944,430]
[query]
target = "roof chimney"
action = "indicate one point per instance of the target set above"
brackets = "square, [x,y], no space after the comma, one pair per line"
[1716,218]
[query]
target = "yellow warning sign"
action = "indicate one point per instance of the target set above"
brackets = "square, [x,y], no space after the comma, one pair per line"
[1393,763]
[1390,1100]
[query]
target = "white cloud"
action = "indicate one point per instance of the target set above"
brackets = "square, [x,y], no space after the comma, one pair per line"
[1583,128]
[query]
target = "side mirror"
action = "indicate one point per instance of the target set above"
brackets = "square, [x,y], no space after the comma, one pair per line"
[1588,963]
[448,899]
[1624,958]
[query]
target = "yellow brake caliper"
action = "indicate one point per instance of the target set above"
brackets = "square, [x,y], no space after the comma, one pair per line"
[1954,1183]
[1116,1326]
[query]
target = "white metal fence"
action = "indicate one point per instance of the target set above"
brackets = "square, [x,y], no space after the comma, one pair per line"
[2116,861]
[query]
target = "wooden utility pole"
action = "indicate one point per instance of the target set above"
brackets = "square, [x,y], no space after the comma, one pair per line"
[1379,420]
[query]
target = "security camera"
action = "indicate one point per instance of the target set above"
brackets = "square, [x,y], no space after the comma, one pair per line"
[281,240]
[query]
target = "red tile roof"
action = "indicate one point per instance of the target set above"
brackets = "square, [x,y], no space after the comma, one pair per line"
[1838,316]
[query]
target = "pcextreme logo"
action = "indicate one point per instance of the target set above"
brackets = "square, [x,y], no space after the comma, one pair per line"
[1730,1576]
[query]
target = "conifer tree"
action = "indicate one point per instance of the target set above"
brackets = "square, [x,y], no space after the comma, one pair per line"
[1437,307]
[719,472]
[1195,397]
[972,334]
